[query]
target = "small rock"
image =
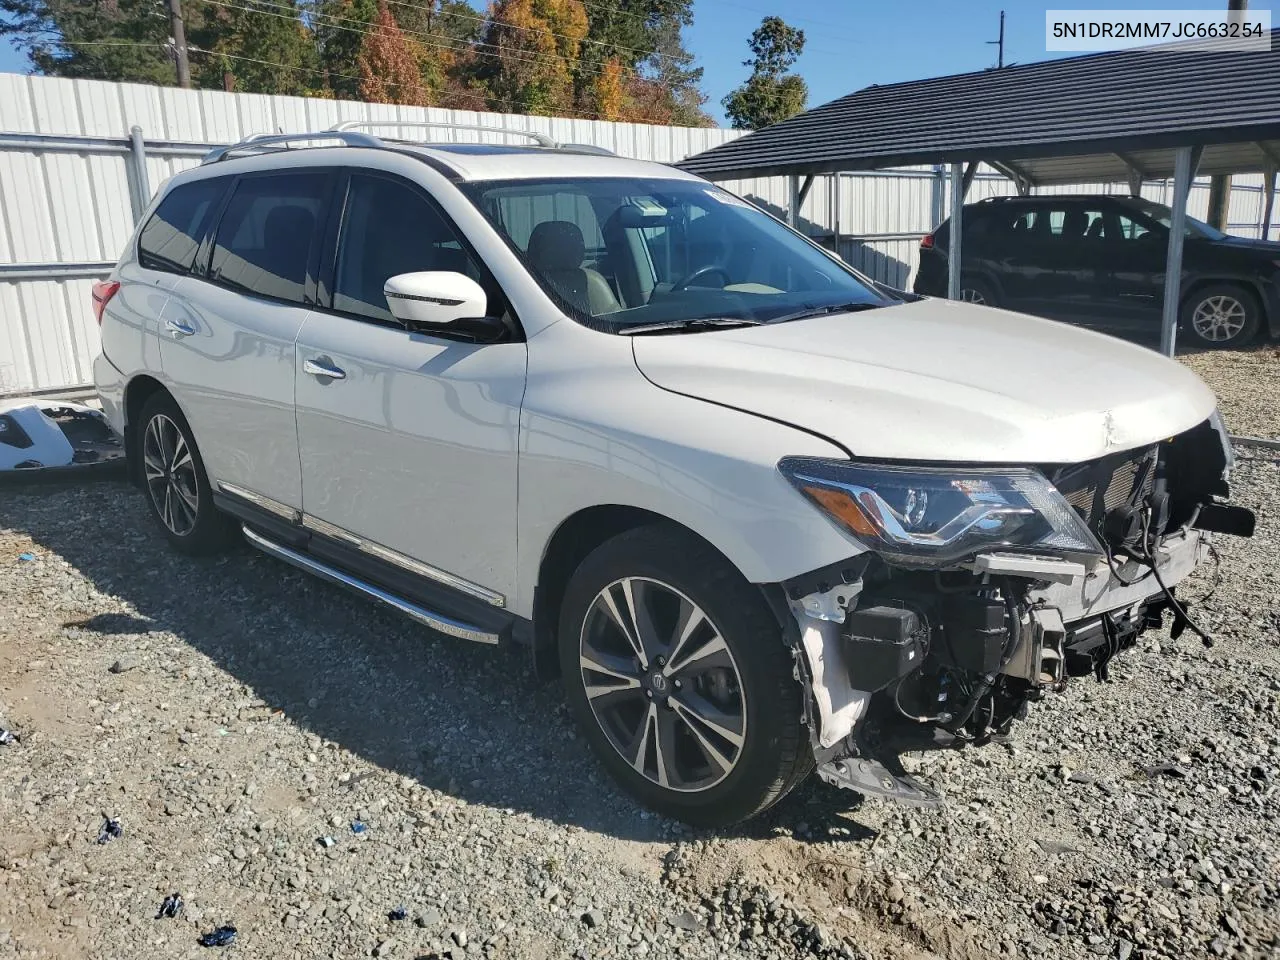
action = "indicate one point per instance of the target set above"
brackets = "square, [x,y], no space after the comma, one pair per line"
[126,663]
[459,936]
[428,918]
[1124,949]
[592,919]
[384,948]
[685,920]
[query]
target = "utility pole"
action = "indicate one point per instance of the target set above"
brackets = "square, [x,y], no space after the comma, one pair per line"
[999,44]
[180,43]
[1220,186]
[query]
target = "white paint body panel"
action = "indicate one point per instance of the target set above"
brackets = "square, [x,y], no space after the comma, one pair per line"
[415,448]
[233,379]
[940,380]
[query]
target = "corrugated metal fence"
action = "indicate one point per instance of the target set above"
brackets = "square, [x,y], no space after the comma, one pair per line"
[72,182]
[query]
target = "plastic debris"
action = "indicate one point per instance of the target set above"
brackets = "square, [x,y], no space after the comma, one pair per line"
[26,557]
[326,842]
[171,907]
[7,737]
[358,827]
[111,830]
[399,913]
[222,937]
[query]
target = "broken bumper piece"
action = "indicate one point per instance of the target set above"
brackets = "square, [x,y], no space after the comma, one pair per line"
[873,779]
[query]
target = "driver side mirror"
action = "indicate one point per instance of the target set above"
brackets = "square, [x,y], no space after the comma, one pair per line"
[442,304]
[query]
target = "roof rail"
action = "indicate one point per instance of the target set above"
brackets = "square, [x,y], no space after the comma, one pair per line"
[261,141]
[350,125]
[590,148]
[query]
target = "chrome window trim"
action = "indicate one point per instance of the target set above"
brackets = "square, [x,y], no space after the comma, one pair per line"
[395,558]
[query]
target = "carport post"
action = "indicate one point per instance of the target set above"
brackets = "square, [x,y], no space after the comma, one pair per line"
[1268,204]
[1182,174]
[141,182]
[793,200]
[953,234]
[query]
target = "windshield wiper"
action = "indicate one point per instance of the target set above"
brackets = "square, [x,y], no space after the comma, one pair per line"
[691,323]
[823,311]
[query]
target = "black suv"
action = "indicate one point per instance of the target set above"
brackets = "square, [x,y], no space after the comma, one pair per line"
[1100,261]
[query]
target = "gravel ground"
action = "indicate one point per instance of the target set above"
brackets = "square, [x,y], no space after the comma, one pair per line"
[1248,386]
[238,718]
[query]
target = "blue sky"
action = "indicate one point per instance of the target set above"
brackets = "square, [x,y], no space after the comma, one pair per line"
[853,43]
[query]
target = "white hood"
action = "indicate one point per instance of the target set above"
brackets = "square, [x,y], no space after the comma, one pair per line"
[938,380]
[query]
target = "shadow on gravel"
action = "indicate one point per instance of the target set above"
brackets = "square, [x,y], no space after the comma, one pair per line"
[458,717]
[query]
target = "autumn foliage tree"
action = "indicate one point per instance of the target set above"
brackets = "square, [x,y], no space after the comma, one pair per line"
[388,65]
[531,49]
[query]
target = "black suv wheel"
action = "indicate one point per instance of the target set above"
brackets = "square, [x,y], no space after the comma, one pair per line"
[1222,315]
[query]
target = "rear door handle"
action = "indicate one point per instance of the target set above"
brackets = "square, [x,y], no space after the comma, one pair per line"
[323,367]
[179,329]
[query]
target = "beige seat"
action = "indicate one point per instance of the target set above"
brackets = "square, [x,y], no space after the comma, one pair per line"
[556,250]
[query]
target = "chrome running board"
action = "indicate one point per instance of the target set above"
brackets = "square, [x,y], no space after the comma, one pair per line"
[436,621]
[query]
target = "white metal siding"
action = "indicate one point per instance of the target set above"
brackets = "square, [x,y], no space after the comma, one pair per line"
[77,207]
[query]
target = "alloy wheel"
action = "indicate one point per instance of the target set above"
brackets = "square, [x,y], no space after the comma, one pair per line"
[170,474]
[662,684]
[969,295]
[1219,318]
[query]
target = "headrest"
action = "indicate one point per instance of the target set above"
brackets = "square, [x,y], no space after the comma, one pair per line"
[556,245]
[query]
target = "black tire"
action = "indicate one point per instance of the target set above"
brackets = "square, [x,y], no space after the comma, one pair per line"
[1221,315]
[979,291]
[676,567]
[193,529]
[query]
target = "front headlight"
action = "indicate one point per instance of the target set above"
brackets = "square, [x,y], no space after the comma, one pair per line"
[937,516]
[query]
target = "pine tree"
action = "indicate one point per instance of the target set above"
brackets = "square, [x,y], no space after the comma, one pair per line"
[340,27]
[770,94]
[255,50]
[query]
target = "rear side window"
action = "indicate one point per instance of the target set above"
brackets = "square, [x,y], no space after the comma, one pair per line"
[389,229]
[264,238]
[171,236]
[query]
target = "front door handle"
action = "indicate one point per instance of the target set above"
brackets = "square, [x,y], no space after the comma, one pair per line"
[179,329]
[322,367]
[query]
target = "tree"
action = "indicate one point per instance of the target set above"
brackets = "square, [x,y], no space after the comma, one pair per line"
[340,27]
[103,40]
[389,65]
[532,48]
[642,38]
[254,50]
[770,94]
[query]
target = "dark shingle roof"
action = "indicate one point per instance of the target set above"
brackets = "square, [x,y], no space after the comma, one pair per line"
[1059,121]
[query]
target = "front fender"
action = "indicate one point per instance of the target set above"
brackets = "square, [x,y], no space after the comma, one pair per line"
[595,432]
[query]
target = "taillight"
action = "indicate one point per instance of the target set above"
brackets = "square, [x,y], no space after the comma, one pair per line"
[926,242]
[103,291]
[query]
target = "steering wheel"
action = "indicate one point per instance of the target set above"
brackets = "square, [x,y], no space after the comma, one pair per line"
[698,274]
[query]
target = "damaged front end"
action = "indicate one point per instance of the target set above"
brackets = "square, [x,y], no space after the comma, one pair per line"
[981,589]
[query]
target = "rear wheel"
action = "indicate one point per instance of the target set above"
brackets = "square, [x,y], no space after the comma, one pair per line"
[678,674]
[175,482]
[1222,315]
[975,290]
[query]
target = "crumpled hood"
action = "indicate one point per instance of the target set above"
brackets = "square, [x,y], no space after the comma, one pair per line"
[938,380]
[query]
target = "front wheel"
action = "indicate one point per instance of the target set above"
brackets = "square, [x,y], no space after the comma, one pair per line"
[678,674]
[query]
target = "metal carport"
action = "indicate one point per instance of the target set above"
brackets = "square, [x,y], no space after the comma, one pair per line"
[1172,111]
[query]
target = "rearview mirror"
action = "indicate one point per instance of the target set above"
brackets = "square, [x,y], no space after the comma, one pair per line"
[442,303]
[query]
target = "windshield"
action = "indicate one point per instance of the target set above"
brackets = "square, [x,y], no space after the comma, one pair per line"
[1164,216]
[617,253]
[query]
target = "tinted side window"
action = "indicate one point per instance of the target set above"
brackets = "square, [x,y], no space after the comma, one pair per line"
[171,236]
[389,228]
[264,238]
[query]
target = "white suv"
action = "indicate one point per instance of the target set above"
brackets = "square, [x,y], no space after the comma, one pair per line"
[761,513]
